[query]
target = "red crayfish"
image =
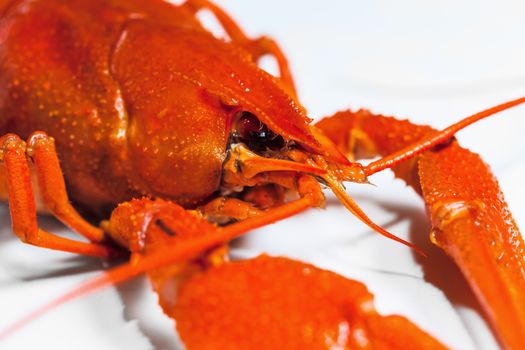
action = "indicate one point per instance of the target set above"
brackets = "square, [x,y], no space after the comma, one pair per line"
[132,114]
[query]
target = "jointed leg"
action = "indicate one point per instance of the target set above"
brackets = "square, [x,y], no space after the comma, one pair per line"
[229,208]
[261,197]
[268,46]
[257,47]
[13,154]
[470,219]
[204,237]
[145,225]
[265,196]
[41,149]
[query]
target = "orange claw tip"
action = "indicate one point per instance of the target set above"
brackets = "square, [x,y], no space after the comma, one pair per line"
[257,303]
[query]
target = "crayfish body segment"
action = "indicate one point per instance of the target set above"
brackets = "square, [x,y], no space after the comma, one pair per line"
[189,148]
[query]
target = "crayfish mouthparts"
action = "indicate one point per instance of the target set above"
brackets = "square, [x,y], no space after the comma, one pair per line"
[246,169]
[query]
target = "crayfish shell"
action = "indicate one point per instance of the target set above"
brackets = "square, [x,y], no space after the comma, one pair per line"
[278,303]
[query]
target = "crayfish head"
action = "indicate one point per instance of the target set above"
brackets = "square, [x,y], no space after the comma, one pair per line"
[179,115]
[210,120]
[258,156]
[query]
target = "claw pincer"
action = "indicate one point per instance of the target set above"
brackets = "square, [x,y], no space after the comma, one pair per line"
[470,219]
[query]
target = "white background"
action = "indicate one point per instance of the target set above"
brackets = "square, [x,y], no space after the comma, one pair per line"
[431,62]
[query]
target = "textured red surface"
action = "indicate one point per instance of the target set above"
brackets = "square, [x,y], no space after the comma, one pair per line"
[126,124]
[474,226]
[470,219]
[277,303]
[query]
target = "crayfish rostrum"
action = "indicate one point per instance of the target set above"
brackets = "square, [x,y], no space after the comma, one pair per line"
[132,114]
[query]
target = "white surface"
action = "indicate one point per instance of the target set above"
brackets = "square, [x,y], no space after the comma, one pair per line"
[430,62]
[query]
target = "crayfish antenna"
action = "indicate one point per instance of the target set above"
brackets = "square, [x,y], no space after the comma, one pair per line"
[113,276]
[183,251]
[436,138]
[352,206]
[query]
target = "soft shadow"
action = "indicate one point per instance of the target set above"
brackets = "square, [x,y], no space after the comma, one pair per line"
[438,268]
[131,292]
[76,265]
[62,266]
[5,224]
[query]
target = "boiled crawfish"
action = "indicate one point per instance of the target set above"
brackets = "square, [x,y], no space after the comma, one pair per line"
[226,141]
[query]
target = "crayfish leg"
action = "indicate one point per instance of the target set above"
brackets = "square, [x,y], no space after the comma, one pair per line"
[16,156]
[256,47]
[267,302]
[223,209]
[470,219]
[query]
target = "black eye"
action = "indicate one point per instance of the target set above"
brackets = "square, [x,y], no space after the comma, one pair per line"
[255,134]
[249,126]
